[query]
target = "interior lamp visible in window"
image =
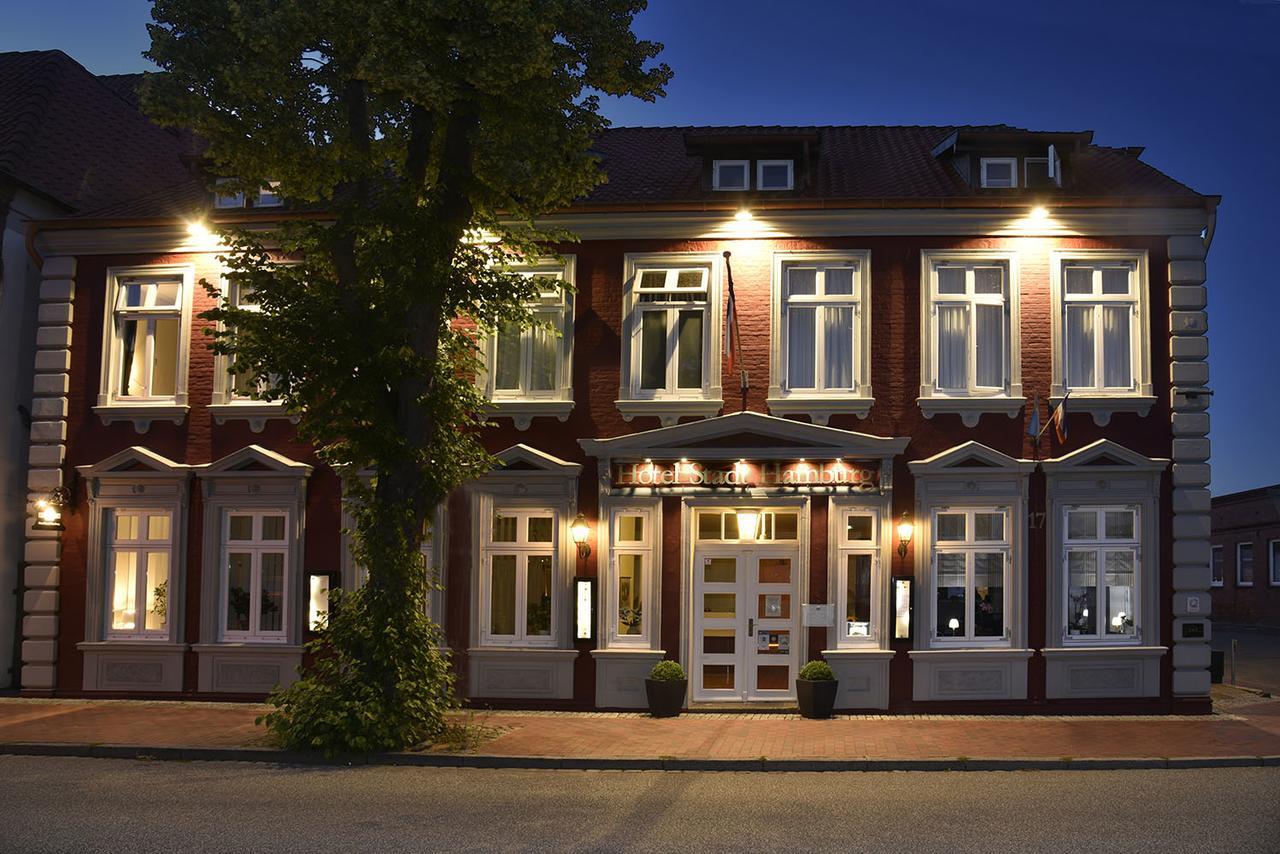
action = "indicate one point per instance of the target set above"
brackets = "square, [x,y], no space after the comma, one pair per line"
[318,602]
[748,523]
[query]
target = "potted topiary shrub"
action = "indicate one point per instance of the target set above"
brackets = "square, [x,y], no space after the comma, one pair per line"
[816,690]
[665,689]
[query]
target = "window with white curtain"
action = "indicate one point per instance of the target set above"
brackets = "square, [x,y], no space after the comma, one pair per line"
[856,537]
[1102,563]
[529,362]
[971,566]
[519,577]
[147,337]
[669,324]
[632,584]
[1100,318]
[256,588]
[242,385]
[820,326]
[139,551]
[969,327]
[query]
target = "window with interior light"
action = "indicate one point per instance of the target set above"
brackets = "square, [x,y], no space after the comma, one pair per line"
[256,584]
[971,576]
[147,340]
[139,559]
[242,384]
[1102,565]
[857,575]
[731,174]
[671,330]
[969,327]
[520,591]
[724,525]
[1100,314]
[632,585]
[533,362]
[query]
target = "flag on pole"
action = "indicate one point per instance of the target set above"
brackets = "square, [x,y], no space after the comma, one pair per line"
[1033,428]
[1060,420]
[730,321]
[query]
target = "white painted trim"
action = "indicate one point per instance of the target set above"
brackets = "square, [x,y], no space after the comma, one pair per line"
[651,548]
[791,175]
[984,162]
[1253,564]
[746,175]
[879,547]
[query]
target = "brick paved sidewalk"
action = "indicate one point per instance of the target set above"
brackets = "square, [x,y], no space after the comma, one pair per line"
[1249,729]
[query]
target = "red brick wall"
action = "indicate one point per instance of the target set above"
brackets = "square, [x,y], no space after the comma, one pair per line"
[1252,517]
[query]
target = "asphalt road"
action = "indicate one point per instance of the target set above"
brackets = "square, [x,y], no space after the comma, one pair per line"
[83,805]
[1257,657]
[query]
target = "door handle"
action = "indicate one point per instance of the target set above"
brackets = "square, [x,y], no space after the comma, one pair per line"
[751,627]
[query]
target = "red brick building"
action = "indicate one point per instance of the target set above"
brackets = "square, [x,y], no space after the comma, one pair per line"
[861,486]
[1246,557]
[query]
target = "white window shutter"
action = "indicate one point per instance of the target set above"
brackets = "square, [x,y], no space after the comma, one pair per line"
[1055,166]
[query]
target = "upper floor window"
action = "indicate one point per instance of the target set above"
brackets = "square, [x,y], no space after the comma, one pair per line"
[775,174]
[969,327]
[256,586]
[669,326]
[1101,559]
[520,593]
[1100,313]
[532,362]
[267,197]
[971,566]
[1244,564]
[1216,564]
[1275,563]
[145,347]
[999,172]
[140,547]
[242,384]
[731,174]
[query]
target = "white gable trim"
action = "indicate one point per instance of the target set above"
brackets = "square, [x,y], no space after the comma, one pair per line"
[949,461]
[1130,461]
[232,464]
[541,460]
[114,465]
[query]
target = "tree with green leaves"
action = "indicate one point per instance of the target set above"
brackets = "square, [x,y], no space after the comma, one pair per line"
[421,138]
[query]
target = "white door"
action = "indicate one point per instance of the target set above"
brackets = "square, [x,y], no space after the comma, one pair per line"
[746,626]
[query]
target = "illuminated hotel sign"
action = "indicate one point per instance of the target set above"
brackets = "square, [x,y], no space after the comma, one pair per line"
[742,474]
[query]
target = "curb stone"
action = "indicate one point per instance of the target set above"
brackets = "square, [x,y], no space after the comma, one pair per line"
[457,760]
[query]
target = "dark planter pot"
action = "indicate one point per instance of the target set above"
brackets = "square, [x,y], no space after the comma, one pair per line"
[816,699]
[666,696]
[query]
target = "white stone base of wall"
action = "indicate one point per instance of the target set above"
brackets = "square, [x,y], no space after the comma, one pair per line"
[535,674]
[863,676]
[246,668]
[620,675]
[969,674]
[1103,672]
[133,666]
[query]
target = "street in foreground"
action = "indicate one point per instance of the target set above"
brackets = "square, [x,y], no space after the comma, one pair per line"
[63,804]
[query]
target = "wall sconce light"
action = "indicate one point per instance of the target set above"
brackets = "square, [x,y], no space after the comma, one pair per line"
[580,530]
[906,528]
[748,522]
[49,510]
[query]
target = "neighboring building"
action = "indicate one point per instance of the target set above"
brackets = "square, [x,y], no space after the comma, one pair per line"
[68,143]
[1246,557]
[905,294]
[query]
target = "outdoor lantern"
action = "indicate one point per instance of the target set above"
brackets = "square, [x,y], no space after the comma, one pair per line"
[748,522]
[580,530]
[49,510]
[905,529]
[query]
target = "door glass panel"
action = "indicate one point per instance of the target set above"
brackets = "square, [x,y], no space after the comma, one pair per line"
[719,605]
[538,591]
[717,676]
[157,589]
[774,606]
[775,570]
[708,526]
[988,603]
[719,641]
[785,526]
[502,595]
[239,581]
[124,585]
[773,677]
[271,616]
[857,614]
[630,592]
[950,605]
[773,643]
[720,570]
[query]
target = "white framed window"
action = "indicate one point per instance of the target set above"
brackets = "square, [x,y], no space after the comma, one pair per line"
[225,199]
[970,575]
[631,608]
[1216,567]
[731,174]
[775,174]
[1244,564]
[1275,562]
[999,172]
[139,557]
[147,340]
[772,526]
[240,384]
[520,580]
[969,327]
[533,363]
[857,575]
[269,196]
[1102,562]
[820,353]
[256,587]
[672,326]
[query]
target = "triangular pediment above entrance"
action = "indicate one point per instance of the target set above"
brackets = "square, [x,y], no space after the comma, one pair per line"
[1104,454]
[743,432]
[970,457]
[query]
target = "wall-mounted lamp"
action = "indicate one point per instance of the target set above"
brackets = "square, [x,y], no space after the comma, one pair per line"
[580,531]
[906,528]
[49,510]
[1039,213]
[748,522]
[743,215]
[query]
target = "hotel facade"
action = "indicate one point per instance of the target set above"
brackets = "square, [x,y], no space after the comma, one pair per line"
[867,474]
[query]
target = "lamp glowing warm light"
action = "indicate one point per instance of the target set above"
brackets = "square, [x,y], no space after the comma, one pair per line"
[743,215]
[580,531]
[748,522]
[199,230]
[1038,214]
[906,528]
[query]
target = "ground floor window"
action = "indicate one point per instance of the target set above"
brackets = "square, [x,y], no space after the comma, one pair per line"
[1101,563]
[255,574]
[971,565]
[519,578]
[857,574]
[631,563]
[139,553]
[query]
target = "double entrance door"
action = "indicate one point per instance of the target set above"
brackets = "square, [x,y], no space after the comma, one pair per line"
[746,638]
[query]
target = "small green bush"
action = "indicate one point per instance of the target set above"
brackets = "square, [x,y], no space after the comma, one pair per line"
[667,671]
[817,671]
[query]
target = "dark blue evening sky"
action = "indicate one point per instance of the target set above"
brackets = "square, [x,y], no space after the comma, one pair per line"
[1195,81]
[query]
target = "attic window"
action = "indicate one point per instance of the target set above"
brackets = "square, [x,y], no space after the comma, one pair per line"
[731,175]
[775,174]
[268,197]
[999,172]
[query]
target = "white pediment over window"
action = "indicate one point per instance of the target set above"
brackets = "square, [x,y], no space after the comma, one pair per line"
[1102,456]
[745,434]
[523,457]
[255,460]
[132,462]
[969,458]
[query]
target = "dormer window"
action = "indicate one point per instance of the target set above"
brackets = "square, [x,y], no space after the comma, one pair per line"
[775,174]
[225,199]
[999,172]
[731,175]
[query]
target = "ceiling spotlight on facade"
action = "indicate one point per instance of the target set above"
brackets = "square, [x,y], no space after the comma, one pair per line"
[1038,214]
[743,215]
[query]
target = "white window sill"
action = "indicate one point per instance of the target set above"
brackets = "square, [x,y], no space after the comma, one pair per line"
[1103,406]
[522,412]
[820,408]
[142,414]
[247,646]
[961,645]
[492,651]
[670,410]
[638,652]
[852,652]
[1118,642]
[1135,650]
[157,645]
[256,412]
[992,652]
[970,409]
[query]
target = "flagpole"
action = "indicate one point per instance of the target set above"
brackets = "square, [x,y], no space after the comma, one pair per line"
[735,343]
